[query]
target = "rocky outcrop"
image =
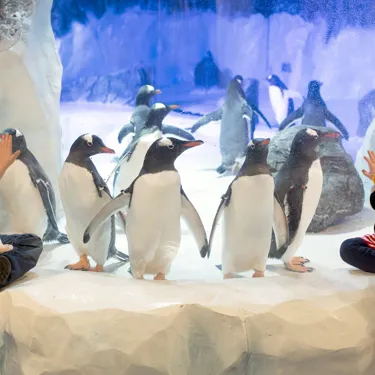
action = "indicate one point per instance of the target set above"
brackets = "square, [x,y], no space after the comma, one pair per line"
[343,192]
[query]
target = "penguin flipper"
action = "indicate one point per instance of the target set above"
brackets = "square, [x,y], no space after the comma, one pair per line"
[206,119]
[298,113]
[194,222]
[260,114]
[115,205]
[125,130]
[335,121]
[169,129]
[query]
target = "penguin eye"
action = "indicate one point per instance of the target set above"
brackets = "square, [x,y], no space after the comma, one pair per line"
[316,137]
[171,147]
[89,144]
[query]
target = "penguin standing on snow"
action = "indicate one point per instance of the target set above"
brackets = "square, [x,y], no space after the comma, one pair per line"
[155,203]
[140,114]
[314,111]
[234,134]
[84,194]
[131,160]
[298,187]
[28,196]
[280,97]
[247,207]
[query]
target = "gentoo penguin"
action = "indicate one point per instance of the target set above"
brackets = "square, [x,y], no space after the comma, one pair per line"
[247,207]
[298,187]
[84,194]
[140,113]
[314,111]
[234,134]
[280,97]
[28,196]
[155,203]
[131,160]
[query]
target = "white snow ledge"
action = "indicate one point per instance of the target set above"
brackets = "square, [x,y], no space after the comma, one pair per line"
[82,323]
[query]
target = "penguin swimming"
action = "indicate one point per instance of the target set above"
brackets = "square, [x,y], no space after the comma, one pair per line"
[155,203]
[280,97]
[140,113]
[28,196]
[84,194]
[298,187]
[234,134]
[248,214]
[314,111]
[131,161]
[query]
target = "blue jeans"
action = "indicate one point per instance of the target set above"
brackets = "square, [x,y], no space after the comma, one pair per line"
[355,252]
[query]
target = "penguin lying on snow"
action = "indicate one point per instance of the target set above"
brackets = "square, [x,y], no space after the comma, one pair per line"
[280,97]
[84,194]
[248,207]
[234,135]
[140,114]
[155,203]
[298,186]
[28,195]
[314,111]
[131,160]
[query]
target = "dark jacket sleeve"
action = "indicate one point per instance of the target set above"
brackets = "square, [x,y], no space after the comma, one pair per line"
[372,197]
[24,256]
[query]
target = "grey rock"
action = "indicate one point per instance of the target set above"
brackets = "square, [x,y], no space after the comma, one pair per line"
[343,192]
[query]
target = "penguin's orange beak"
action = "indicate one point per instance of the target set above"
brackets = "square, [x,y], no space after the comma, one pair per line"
[158,91]
[332,135]
[106,150]
[265,142]
[173,106]
[192,144]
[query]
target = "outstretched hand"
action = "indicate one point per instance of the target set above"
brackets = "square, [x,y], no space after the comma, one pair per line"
[7,158]
[371,164]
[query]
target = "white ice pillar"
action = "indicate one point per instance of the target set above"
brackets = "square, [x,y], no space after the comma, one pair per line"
[30,81]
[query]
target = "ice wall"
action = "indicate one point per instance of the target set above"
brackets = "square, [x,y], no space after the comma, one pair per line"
[30,84]
[170,46]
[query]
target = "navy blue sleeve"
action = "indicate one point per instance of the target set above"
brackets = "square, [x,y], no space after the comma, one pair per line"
[24,256]
[372,197]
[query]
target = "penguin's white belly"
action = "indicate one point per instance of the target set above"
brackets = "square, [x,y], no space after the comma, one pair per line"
[81,204]
[310,203]
[248,224]
[153,223]
[22,201]
[279,103]
[129,170]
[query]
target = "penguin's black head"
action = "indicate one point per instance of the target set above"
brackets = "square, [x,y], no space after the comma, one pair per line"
[314,87]
[257,150]
[145,94]
[275,80]
[306,141]
[235,88]
[157,114]
[88,145]
[18,140]
[239,79]
[164,151]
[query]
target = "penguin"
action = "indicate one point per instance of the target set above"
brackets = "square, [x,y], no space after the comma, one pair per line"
[28,196]
[155,203]
[280,97]
[234,134]
[298,187]
[314,111]
[84,193]
[140,113]
[247,208]
[131,160]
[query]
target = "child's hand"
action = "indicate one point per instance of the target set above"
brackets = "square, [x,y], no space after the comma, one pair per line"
[371,164]
[7,158]
[5,248]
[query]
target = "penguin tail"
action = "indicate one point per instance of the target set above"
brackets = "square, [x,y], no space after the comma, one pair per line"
[219,267]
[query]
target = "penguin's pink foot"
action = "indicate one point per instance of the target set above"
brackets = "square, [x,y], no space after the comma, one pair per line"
[96,269]
[298,268]
[159,276]
[299,260]
[231,276]
[82,265]
[257,274]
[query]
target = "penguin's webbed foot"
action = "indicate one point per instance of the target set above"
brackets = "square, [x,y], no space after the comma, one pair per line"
[82,265]
[160,276]
[298,268]
[231,275]
[257,274]
[97,268]
[299,261]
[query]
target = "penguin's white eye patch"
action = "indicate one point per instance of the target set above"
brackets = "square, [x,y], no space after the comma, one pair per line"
[88,139]
[166,143]
[150,88]
[312,132]
[18,133]
[159,106]
[251,145]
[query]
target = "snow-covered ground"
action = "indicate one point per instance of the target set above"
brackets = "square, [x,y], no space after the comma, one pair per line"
[202,185]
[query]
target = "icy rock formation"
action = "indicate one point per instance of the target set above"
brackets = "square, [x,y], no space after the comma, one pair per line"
[99,325]
[30,79]
[343,192]
[367,144]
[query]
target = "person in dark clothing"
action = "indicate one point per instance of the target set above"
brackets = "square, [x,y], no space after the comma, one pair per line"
[19,253]
[359,252]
